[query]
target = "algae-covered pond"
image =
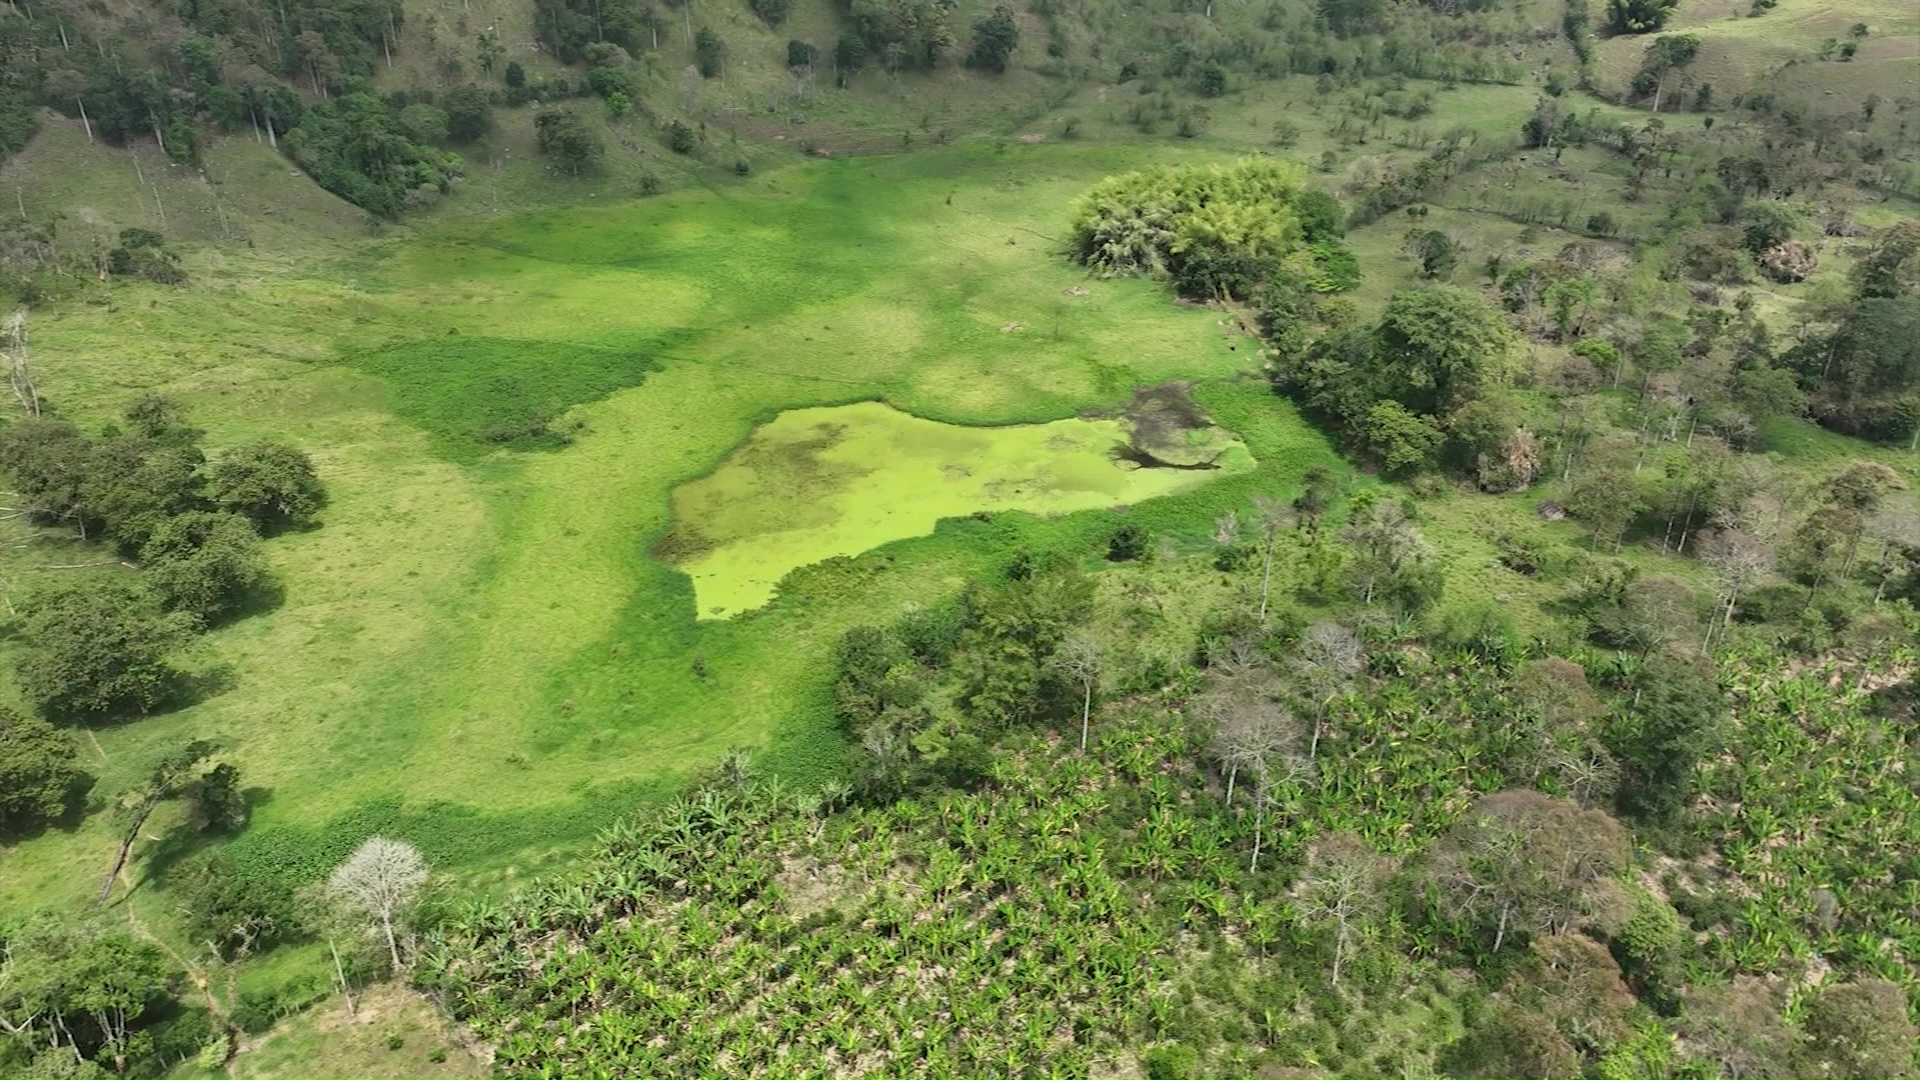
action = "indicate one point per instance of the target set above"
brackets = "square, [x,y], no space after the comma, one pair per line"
[815,483]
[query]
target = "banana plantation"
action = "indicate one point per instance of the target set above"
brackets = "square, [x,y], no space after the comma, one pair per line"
[1234,876]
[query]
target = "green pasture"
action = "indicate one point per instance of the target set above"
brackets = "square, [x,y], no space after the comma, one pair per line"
[477,650]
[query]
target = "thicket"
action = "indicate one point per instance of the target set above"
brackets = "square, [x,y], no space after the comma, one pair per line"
[1214,230]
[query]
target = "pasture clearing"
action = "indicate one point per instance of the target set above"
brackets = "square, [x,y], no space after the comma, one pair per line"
[475,651]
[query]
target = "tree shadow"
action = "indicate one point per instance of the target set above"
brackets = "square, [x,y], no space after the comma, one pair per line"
[160,859]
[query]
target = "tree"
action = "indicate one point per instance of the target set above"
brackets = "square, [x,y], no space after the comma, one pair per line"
[1250,725]
[469,112]
[1653,612]
[39,780]
[1676,720]
[771,12]
[994,39]
[236,912]
[1607,498]
[204,564]
[271,484]
[516,76]
[47,462]
[424,124]
[1523,862]
[1017,627]
[135,482]
[1275,516]
[1440,346]
[1404,441]
[1390,557]
[563,136]
[1128,542]
[709,52]
[1340,885]
[1766,225]
[1079,660]
[488,50]
[1435,251]
[1664,56]
[98,648]
[1859,1028]
[1638,16]
[382,879]
[170,777]
[89,987]
[1890,268]
[1329,657]
[1739,562]
[1738,1027]
[1513,1042]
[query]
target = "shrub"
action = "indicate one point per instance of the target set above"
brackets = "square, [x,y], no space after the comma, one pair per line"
[1128,542]
[1171,1063]
[681,137]
[771,12]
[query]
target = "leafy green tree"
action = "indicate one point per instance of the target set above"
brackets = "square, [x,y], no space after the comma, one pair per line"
[1017,627]
[424,124]
[681,137]
[994,39]
[134,483]
[1890,269]
[204,564]
[709,52]
[47,462]
[1128,542]
[236,911]
[1435,251]
[801,54]
[1767,224]
[1638,16]
[39,780]
[469,112]
[1512,1041]
[1606,497]
[1676,720]
[567,139]
[1321,216]
[92,989]
[1404,441]
[771,12]
[98,648]
[1439,347]
[1737,1026]
[516,76]
[271,484]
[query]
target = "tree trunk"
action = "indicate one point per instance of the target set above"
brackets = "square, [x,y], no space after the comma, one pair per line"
[1233,771]
[1500,935]
[1086,715]
[88,124]
[341,974]
[1339,951]
[126,848]
[1259,820]
[393,947]
[1266,575]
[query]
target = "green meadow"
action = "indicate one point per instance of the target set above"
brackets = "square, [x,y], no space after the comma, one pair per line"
[499,639]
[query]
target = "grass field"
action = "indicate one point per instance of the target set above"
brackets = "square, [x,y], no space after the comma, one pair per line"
[476,651]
